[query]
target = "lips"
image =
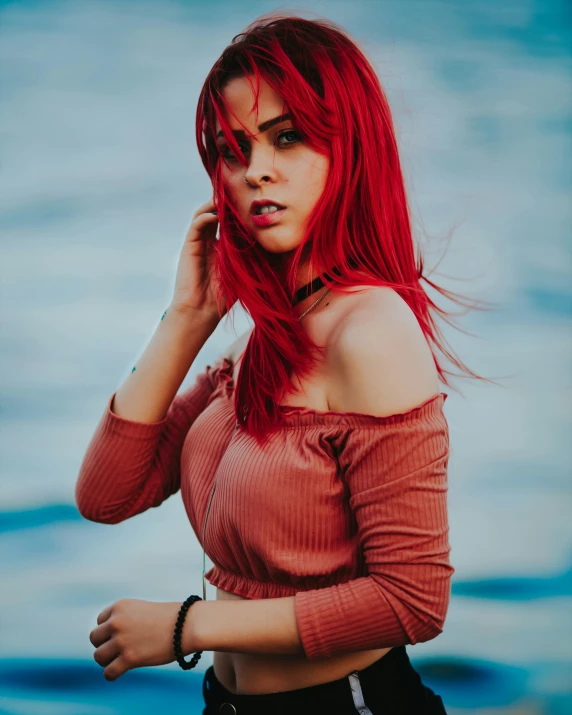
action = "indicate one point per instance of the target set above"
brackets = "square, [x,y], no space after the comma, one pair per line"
[267,219]
[257,204]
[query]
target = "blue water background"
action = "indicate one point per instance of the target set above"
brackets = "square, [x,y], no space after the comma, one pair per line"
[100,178]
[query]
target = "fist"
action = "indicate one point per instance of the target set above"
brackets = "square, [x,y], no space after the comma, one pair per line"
[133,634]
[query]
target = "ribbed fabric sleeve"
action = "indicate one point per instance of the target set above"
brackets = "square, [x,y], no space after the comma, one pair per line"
[346,512]
[396,473]
[130,466]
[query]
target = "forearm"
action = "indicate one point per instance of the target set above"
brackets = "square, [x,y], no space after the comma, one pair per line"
[147,392]
[244,626]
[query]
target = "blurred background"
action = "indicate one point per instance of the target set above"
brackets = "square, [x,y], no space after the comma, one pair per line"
[100,178]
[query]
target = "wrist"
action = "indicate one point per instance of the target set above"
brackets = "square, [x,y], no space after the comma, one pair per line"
[194,316]
[193,634]
[187,321]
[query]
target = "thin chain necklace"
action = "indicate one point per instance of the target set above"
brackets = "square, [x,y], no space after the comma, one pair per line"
[236,425]
[314,304]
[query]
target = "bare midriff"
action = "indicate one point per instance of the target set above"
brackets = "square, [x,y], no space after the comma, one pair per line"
[247,673]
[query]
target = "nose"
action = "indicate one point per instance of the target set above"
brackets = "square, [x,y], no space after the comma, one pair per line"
[262,166]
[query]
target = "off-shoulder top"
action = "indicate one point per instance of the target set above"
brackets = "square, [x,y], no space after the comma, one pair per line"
[345,511]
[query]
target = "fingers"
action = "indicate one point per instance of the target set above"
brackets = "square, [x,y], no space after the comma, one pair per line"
[116,668]
[207,207]
[199,223]
[106,653]
[203,220]
[101,634]
[104,615]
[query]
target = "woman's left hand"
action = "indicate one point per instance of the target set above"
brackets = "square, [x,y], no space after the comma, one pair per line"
[133,634]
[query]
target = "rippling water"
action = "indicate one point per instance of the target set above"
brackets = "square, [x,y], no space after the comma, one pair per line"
[100,180]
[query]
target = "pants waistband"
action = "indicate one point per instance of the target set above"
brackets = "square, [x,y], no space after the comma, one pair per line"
[335,695]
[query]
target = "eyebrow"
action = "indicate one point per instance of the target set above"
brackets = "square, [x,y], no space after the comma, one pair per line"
[262,127]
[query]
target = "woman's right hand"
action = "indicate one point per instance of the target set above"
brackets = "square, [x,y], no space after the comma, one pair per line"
[194,285]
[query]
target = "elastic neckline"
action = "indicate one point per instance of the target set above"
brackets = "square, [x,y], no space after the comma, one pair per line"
[301,416]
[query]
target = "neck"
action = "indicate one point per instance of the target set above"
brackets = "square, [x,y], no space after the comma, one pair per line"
[309,289]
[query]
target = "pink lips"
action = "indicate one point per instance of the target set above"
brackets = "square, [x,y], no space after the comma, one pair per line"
[267,219]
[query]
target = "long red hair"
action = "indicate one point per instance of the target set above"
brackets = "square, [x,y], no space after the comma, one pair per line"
[360,226]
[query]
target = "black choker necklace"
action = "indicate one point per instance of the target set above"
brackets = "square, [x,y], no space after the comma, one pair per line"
[310,288]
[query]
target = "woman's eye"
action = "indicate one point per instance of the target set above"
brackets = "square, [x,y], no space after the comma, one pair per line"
[229,156]
[289,131]
[226,153]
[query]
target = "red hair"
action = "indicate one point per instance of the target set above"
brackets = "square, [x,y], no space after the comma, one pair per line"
[360,225]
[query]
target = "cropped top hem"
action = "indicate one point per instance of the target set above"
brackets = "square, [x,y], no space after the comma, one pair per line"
[344,511]
[296,416]
[246,587]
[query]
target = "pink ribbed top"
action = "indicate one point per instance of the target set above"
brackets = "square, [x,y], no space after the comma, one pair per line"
[343,510]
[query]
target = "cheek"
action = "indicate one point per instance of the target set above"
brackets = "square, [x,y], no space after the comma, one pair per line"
[316,177]
[318,166]
[228,176]
[234,186]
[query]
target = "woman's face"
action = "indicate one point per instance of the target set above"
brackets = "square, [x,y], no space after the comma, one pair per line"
[281,167]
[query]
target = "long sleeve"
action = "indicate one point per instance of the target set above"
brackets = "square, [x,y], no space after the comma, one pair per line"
[396,474]
[130,466]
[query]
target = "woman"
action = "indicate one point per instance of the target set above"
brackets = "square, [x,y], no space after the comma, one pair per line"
[312,457]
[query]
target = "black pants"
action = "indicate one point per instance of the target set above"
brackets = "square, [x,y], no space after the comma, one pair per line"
[389,686]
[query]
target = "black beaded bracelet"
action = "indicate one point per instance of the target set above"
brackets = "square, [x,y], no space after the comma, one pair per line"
[185,664]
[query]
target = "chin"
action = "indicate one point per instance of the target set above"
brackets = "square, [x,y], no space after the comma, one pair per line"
[273,242]
[277,247]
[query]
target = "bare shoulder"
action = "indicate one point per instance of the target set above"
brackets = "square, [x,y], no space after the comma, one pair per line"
[381,362]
